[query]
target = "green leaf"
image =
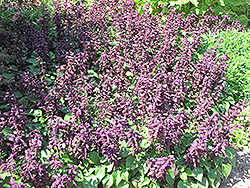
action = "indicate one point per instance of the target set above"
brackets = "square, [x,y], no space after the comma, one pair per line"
[135,184]
[172,173]
[105,179]
[217,183]
[188,171]
[195,2]
[5,174]
[18,94]
[226,105]
[231,156]
[222,108]
[66,158]
[212,174]
[198,174]
[145,143]
[124,152]
[183,176]
[204,183]
[154,185]
[110,181]
[146,181]
[131,163]
[4,106]
[38,126]
[231,100]
[33,112]
[183,184]
[7,130]
[118,177]
[103,159]
[215,109]
[34,70]
[100,172]
[94,157]
[125,175]
[123,184]
[194,185]
[8,76]
[110,167]
[24,101]
[33,62]
[169,179]
[243,19]
[45,154]
[80,178]
[92,72]
[68,116]
[112,43]
[90,181]
[226,169]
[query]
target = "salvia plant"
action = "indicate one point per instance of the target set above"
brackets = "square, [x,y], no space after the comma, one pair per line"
[106,97]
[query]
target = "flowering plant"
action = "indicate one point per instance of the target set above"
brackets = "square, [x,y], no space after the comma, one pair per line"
[115,98]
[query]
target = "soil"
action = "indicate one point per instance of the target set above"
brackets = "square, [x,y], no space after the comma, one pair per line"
[240,176]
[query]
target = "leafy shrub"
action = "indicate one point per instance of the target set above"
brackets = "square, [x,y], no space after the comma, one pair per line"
[237,9]
[116,99]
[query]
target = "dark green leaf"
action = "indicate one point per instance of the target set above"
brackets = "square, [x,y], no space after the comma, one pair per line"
[198,174]
[226,105]
[18,94]
[24,101]
[123,184]
[103,159]
[183,184]
[90,182]
[94,157]
[9,76]
[231,100]
[204,183]
[222,108]
[124,152]
[131,163]
[231,156]
[212,174]
[188,171]
[169,179]
[4,106]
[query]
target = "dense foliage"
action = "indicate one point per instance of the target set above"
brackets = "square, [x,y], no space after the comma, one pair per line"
[107,97]
[237,9]
[238,73]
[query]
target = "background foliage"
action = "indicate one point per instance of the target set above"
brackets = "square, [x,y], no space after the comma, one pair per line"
[237,9]
[236,45]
